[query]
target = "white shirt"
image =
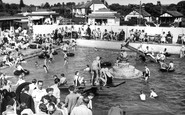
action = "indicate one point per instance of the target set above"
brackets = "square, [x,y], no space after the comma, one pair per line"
[90,104]
[143,97]
[20,81]
[19,68]
[27,111]
[32,87]
[56,91]
[81,110]
[171,65]
[62,80]
[64,111]
[38,94]
[153,94]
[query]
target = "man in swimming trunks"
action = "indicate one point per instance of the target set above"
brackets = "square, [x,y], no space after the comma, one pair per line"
[96,66]
[146,73]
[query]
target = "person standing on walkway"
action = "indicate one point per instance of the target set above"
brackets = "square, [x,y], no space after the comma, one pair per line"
[38,93]
[26,98]
[71,99]
[82,109]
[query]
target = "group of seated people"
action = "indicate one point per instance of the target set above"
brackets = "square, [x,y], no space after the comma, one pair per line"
[142,36]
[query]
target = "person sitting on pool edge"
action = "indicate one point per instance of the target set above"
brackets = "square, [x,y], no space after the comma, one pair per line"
[78,80]
[19,70]
[63,80]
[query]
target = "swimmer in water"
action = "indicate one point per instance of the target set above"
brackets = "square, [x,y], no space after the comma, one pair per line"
[142,96]
[51,58]
[65,58]
[36,64]
[153,94]
[45,65]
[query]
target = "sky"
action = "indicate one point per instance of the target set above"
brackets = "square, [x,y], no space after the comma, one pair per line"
[121,2]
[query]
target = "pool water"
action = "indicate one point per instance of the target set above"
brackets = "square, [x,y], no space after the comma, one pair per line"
[169,86]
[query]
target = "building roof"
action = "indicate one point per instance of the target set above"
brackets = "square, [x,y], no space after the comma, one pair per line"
[43,13]
[104,15]
[88,4]
[104,10]
[60,7]
[143,12]
[174,13]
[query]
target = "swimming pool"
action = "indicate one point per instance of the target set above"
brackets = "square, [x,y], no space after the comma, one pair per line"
[169,86]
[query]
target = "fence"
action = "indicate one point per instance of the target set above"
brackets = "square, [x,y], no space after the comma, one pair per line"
[45,29]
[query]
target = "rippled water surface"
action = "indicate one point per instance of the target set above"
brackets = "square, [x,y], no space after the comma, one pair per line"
[169,86]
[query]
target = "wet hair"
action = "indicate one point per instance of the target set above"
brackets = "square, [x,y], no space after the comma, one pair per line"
[80,91]
[152,89]
[76,72]
[62,74]
[34,81]
[49,89]
[43,108]
[56,80]
[55,76]
[71,88]
[91,94]
[12,94]
[45,97]
[4,92]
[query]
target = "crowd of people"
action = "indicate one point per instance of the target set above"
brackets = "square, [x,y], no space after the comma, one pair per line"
[142,36]
[135,35]
[34,99]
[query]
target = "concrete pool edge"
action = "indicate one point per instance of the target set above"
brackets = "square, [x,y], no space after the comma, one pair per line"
[171,48]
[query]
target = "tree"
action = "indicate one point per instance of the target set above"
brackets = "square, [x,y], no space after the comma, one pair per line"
[115,7]
[181,7]
[172,7]
[46,5]
[69,4]
[21,4]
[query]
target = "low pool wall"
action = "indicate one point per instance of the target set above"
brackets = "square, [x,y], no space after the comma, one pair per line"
[45,29]
[171,48]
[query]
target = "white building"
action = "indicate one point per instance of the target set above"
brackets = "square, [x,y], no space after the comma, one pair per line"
[81,10]
[137,13]
[104,17]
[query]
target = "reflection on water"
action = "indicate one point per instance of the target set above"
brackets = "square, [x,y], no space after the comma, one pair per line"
[169,86]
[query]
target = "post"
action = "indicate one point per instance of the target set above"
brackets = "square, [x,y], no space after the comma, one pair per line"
[140,14]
